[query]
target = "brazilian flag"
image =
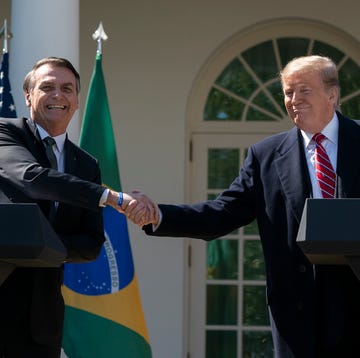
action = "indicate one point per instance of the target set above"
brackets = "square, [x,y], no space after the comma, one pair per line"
[103,311]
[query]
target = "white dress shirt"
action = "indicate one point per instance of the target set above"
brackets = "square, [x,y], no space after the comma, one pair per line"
[331,132]
[59,152]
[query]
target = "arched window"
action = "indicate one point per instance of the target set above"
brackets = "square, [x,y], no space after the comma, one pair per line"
[248,88]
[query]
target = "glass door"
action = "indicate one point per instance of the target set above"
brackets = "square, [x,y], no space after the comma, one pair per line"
[228,312]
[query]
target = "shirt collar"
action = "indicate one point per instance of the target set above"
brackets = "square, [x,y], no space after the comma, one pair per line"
[60,139]
[331,131]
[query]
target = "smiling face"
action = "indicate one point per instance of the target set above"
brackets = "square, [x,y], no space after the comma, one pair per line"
[52,98]
[308,102]
[311,91]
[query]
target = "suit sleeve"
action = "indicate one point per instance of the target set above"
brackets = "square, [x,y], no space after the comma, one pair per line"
[208,220]
[20,169]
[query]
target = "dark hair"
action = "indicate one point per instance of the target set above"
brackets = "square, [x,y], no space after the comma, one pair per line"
[55,61]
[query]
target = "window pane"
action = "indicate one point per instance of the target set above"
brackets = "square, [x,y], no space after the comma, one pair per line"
[254,307]
[351,107]
[251,229]
[221,304]
[291,47]
[256,115]
[221,344]
[261,59]
[236,79]
[257,345]
[275,89]
[222,259]
[321,48]
[262,100]
[254,265]
[349,78]
[221,107]
[223,167]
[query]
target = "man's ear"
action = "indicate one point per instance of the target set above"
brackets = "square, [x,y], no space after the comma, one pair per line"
[27,99]
[334,94]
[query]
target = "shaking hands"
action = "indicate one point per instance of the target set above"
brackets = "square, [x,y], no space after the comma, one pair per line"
[137,207]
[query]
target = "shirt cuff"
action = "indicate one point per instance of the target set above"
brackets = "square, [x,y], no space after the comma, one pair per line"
[155,227]
[103,198]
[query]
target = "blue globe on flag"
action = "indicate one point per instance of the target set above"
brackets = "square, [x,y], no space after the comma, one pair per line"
[113,269]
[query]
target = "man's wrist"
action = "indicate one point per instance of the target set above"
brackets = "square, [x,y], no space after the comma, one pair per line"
[114,199]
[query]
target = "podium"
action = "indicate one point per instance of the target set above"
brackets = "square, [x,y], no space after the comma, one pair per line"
[329,232]
[27,239]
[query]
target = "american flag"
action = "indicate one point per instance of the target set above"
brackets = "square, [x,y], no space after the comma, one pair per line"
[7,106]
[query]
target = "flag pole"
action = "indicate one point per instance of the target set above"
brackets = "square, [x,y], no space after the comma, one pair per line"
[98,36]
[7,35]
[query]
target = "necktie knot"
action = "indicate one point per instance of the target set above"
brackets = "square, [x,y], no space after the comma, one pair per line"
[50,141]
[318,138]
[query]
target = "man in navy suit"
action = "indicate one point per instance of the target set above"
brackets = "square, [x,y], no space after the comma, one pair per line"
[314,310]
[68,191]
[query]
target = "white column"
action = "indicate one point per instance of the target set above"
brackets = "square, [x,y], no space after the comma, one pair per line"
[42,28]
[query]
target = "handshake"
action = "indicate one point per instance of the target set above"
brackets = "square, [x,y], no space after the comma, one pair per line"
[137,207]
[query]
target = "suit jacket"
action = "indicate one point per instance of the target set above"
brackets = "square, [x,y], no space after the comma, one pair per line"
[25,176]
[272,187]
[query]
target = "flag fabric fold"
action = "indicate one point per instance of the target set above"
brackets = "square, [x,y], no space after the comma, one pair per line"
[103,310]
[7,106]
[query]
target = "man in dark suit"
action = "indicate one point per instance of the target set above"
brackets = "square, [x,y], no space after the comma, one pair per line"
[314,311]
[68,190]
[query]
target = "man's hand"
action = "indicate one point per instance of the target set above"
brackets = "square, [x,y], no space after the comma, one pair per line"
[135,209]
[140,209]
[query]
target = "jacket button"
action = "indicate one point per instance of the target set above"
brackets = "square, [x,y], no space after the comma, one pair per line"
[302,268]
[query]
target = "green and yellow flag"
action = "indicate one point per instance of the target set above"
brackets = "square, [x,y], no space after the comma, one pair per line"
[103,312]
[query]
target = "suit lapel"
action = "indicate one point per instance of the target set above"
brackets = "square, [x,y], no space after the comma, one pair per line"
[35,144]
[293,173]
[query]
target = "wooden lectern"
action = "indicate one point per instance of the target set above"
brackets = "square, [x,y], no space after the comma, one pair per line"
[329,232]
[27,239]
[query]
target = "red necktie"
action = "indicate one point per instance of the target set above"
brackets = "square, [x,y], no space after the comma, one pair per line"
[324,170]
